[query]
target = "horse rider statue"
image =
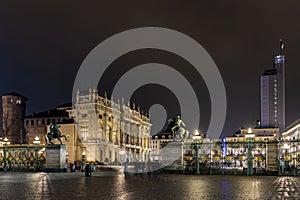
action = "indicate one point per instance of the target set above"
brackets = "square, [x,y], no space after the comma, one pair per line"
[54,133]
[176,126]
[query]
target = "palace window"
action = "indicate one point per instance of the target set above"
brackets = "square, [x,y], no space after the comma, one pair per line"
[84,132]
[10,100]
[101,155]
[84,116]
[100,131]
[114,131]
[18,101]
[110,155]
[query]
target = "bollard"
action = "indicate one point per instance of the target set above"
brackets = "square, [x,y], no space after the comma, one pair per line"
[88,170]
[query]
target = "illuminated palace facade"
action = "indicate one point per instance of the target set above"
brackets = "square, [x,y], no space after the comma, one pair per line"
[109,131]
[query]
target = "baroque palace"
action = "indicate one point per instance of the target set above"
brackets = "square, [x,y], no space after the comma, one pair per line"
[108,130]
[98,129]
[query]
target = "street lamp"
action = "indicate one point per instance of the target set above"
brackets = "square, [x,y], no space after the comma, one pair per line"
[5,143]
[122,154]
[250,136]
[83,156]
[286,156]
[196,142]
[37,143]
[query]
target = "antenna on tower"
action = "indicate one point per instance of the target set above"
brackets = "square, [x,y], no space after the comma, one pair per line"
[281,47]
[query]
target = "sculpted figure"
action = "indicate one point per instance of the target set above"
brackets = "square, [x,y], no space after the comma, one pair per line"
[176,127]
[54,134]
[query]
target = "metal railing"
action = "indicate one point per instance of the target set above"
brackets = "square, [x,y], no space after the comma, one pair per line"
[248,158]
[22,158]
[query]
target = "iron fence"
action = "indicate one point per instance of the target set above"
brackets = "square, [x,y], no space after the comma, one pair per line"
[247,157]
[22,158]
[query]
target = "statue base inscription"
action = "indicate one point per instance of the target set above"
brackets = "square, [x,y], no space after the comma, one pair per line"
[55,157]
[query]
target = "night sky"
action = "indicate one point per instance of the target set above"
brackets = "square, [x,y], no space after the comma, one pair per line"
[42,45]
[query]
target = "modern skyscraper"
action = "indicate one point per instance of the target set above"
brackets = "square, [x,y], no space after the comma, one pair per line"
[272,90]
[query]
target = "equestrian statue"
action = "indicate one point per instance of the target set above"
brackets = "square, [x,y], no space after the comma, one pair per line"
[54,134]
[176,126]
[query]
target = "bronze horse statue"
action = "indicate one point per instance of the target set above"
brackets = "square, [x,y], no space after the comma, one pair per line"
[54,134]
[175,126]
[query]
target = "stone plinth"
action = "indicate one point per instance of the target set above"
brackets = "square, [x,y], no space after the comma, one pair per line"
[55,157]
[271,159]
[172,156]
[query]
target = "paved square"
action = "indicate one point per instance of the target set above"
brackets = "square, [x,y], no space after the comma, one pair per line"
[111,185]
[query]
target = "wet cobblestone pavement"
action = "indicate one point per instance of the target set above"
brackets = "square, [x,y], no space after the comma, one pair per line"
[110,185]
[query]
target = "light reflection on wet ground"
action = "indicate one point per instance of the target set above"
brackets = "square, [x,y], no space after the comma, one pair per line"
[108,185]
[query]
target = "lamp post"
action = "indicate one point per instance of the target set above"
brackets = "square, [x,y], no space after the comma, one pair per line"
[210,159]
[83,156]
[278,158]
[37,143]
[294,164]
[5,143]
[122,154]
[235,158]
[286,156]
[295,158]
[250,137]
[196,142]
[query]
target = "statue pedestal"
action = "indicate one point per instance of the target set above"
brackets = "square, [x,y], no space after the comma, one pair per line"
[55,157]
[172,156]
[271,159]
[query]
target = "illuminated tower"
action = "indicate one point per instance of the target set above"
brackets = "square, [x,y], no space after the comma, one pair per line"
[273,94]
[12,113]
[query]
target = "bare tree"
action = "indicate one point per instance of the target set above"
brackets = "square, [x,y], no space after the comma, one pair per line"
[7,123]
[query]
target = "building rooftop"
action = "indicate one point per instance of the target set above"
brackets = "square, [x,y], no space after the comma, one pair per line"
[294,123]
[270,72]
[49,113]
[64,106]
[15,94]
[162,135]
